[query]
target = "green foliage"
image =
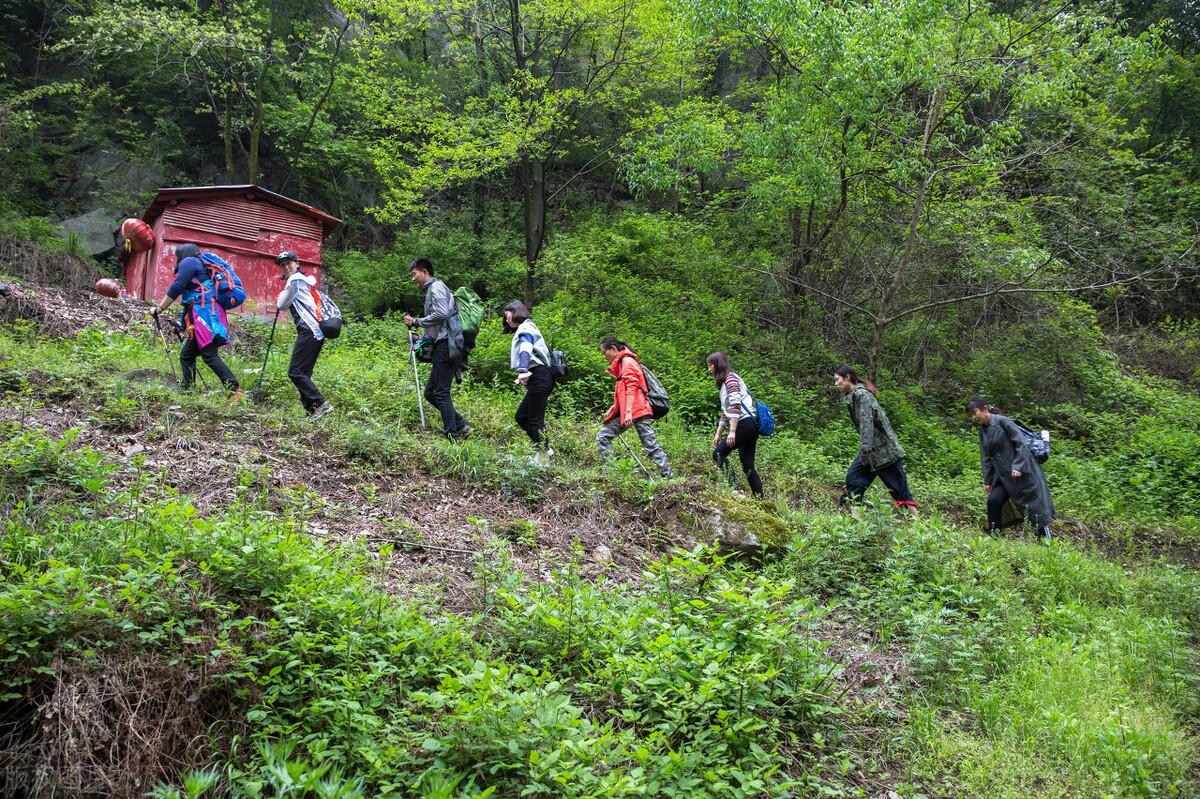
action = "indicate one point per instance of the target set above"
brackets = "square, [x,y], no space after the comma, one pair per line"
[379,282]
[1057,656]
[338,689]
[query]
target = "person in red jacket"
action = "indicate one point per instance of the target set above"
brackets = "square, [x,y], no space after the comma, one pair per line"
[631,405]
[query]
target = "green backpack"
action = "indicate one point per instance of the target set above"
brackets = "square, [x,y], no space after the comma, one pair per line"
[470,313]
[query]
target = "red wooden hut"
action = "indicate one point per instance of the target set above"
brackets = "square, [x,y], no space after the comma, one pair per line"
[246,225]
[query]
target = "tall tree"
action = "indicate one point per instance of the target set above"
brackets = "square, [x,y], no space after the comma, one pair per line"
[549,78]
[908,150]
[238,58]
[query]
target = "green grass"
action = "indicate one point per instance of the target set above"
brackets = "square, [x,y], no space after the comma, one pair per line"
[1023,670]
[1026,660]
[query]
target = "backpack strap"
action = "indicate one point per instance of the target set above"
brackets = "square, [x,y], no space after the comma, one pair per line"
[316,296]
[750,410]
[643,386]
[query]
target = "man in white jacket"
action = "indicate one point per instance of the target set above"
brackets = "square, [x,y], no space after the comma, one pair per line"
[298,296]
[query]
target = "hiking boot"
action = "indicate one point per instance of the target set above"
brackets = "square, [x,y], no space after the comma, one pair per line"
[324,410]
[236,396]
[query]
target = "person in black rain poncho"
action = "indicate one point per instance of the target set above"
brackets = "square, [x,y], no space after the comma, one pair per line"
[1012,478]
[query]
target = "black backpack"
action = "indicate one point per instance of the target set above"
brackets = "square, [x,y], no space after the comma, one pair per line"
[558,365]
[1039,447]
[656,394]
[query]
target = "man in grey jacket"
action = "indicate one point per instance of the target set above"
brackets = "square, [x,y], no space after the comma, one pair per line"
[443,329]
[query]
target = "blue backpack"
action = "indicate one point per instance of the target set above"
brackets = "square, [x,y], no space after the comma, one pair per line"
[227,286]
[207,322]
[765,419]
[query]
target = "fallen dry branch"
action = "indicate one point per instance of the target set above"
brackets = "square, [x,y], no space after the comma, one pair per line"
[24,259]
[112,726]
[57,312]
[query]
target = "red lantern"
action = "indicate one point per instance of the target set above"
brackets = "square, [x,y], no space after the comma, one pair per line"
[138,234]
[108,287]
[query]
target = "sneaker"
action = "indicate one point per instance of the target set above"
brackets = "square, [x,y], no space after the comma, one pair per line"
[324,410]
[236,396]
[465,433]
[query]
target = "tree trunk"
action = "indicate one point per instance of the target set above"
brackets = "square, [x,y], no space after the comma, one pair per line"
[317,107]
[800,230]
[227,137]
[260,88]
[227,118]
[533,190]
[255,135]
[881,317]
[480,209]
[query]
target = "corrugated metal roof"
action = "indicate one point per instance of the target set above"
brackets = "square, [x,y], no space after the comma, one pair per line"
[283,221]
[167,196]
[236,218]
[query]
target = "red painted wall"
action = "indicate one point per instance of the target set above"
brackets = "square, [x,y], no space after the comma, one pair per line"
[254,232]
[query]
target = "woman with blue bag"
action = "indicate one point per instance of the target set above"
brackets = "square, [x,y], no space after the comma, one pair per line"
[203,319]
[740,416]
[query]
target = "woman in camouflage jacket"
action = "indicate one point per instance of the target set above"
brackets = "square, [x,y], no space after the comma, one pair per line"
[879,453]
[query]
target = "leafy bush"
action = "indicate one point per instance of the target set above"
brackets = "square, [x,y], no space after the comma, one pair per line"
[1062,661]
[378,282]
[693,683]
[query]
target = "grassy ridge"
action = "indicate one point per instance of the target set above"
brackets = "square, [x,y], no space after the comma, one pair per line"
[1018,670]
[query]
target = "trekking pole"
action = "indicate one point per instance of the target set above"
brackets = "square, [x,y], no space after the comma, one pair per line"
[166,349]
[412,356]
[416,380]
[180,335]
[636,459]
[256,394]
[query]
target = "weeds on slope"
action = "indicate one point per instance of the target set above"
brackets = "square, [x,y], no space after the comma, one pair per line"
[1035,671]
[299,674]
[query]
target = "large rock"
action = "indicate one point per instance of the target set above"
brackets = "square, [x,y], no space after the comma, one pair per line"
[121,177]
[95,229]
[735,524]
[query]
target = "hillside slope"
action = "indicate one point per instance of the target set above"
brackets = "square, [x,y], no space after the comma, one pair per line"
[357,605]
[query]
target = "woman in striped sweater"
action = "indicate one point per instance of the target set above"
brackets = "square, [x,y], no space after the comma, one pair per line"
[738,417]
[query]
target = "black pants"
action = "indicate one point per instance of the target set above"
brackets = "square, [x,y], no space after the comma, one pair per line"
[437,390]
[531,413]
[861,475]
[997,498]
[304,359]
[745,442]
[212,356]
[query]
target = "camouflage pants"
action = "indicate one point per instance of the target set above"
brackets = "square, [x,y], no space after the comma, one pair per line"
[645,430]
